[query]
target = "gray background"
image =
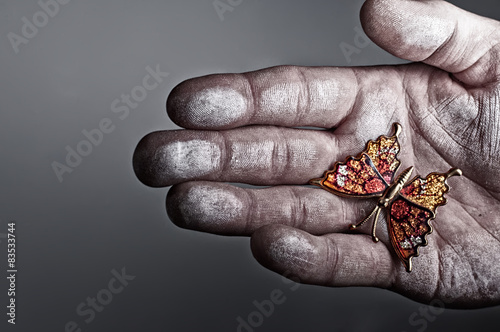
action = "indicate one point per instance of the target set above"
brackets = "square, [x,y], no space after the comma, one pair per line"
[72,234]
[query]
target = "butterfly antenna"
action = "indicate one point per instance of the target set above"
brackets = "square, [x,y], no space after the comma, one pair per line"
[453,172]
[376,212]
[354,226]
[397,129]
[374,226]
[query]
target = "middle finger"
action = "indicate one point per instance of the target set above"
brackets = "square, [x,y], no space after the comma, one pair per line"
[256,155]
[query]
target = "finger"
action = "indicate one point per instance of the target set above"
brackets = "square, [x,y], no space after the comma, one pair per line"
[224,209]
[285,96]
[255,155]
[437,33]
[329,260]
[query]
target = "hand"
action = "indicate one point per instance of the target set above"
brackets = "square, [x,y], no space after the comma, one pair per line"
[241,129]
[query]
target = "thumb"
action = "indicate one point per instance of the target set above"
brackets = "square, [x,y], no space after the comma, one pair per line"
[439,34]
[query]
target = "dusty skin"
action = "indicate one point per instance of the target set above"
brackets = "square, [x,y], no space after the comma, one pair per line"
[240,128]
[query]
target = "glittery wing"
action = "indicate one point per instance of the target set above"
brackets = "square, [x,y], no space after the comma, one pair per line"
[429,192]
[408,225]
[409,214]
[367,175]
[383,152]
[356,177]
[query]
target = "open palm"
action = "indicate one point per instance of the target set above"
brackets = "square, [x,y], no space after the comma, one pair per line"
[243,128]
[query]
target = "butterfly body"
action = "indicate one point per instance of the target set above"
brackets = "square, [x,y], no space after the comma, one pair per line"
[409,205]
[394,189]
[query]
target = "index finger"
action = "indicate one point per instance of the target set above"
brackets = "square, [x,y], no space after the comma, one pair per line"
[288,96]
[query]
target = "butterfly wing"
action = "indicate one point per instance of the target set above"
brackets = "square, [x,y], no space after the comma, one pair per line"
[409,214]
[429,192]
[356,177]
[367,175]
[383,152]
[408,226]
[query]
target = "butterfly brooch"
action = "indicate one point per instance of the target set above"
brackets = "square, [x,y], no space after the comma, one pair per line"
[410,205]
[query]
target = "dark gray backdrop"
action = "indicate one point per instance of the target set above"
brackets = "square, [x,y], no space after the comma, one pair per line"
[73,231]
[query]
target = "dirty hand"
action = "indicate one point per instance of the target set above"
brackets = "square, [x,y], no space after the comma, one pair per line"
[241,128]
